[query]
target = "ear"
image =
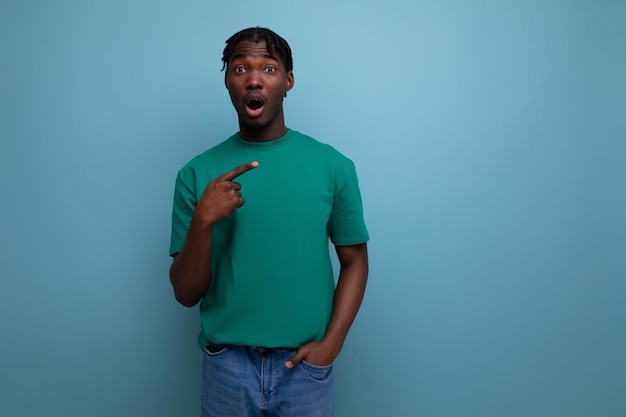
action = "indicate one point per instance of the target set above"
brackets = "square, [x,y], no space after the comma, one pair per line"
[290,80]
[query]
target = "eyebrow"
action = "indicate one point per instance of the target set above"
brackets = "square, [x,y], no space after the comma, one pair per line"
[243,56]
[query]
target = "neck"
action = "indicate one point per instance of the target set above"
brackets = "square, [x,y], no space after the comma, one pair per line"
[263,134]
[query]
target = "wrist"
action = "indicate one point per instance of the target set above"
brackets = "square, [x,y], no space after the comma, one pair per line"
[203,223]
[332,344]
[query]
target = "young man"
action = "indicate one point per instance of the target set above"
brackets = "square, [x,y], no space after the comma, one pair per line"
[272,320]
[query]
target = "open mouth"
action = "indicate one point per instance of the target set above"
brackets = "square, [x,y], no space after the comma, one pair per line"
[254,104]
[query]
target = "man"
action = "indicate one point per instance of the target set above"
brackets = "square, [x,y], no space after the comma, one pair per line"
[272,320]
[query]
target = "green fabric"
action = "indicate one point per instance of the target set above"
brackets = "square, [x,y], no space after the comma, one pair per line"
[273,282]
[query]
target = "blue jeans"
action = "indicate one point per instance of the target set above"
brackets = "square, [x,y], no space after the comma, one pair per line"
[244,381]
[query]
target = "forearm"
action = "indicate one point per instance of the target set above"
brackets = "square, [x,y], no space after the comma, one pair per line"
[190,273]
[348,297]
[348,294]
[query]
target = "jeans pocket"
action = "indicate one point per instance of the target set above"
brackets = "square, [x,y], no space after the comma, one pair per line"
[215,349]
[317,372]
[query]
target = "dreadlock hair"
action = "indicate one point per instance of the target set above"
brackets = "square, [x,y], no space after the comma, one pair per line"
[273,42]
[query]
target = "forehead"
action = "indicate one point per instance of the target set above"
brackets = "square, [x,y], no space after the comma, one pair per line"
[251,49]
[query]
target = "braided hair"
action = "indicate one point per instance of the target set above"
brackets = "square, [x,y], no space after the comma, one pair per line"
[257,34]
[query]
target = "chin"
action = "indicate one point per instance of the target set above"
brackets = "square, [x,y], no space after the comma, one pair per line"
[257,125]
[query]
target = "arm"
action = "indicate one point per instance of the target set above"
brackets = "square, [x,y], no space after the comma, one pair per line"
[190,273]
[348,297]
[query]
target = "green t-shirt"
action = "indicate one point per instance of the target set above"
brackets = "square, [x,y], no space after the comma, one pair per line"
[273,283]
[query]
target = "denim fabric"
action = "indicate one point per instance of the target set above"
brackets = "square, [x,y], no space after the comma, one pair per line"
[243,381]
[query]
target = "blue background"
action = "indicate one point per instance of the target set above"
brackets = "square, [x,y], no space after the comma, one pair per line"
[490,140]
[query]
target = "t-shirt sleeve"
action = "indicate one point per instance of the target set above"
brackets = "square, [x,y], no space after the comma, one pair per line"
[346,225]
[185,202]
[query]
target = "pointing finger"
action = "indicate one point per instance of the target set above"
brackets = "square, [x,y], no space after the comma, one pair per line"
[235,172]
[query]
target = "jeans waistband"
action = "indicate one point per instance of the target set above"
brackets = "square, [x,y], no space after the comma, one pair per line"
[216,347]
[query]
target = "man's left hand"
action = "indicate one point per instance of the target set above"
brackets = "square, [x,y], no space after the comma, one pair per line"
[315,353]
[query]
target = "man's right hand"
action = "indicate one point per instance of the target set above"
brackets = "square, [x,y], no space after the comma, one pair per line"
[222,196]
[190,272]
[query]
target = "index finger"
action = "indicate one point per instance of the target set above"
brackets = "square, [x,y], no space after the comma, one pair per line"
[235,172]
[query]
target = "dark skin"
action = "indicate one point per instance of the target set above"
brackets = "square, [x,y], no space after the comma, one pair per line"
[257,82]
[256,77]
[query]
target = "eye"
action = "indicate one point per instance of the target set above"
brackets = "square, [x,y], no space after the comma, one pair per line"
[239,69]
[270,69]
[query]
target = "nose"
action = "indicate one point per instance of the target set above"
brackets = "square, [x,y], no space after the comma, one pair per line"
[254,80]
